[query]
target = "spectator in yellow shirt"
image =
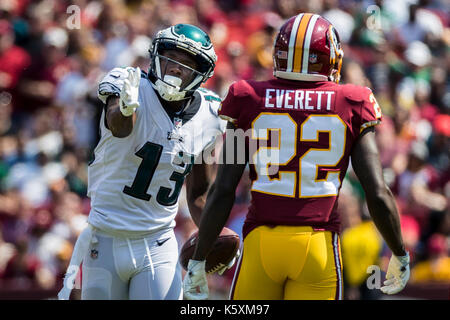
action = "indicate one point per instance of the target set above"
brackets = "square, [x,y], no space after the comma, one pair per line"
[437,267]
[361,248]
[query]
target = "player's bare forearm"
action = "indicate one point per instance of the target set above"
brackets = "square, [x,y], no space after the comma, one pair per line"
[380,201]
[384,213]
[195,208]
[120,125]
[215,215]
[219,203]
[197,184]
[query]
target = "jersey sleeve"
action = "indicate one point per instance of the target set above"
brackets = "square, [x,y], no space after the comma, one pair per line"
[370,110]
[112,83]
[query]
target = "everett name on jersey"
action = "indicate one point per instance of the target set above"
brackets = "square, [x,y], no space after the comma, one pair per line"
[134,182]
[316,124]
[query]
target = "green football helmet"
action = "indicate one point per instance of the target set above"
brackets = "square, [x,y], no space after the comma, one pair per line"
[195,42]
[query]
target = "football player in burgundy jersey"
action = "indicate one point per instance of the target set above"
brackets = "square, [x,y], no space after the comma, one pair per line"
[308,128]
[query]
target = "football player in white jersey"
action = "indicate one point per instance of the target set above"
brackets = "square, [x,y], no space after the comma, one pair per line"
[155,129]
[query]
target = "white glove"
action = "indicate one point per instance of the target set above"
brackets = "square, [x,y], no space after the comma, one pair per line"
[195,278]
[224,268]
[397,274]
[130,92]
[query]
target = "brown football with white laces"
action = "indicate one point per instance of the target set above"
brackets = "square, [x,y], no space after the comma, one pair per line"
[223,251]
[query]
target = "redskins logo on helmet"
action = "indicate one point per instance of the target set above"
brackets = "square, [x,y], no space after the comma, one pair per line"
[308,48]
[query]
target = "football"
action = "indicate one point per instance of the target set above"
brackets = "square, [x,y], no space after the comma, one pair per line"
[223,251]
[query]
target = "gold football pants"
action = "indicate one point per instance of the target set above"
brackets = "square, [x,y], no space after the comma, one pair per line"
[289,263]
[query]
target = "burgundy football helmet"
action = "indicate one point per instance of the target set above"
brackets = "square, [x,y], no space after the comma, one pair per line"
[308,48]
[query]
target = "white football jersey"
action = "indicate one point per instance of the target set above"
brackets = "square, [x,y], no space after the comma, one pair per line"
[134,182]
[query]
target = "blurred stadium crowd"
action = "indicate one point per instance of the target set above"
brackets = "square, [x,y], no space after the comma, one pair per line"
[51,61]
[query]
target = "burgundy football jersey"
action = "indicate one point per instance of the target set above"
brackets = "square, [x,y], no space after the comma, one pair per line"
[304,133]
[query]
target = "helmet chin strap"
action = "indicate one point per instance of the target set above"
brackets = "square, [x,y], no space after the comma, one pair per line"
[169,89]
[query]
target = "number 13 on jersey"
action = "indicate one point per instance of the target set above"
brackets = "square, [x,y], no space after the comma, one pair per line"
[307,175]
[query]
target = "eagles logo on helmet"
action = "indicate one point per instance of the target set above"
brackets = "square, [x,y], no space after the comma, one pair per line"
[193,41]
[308,48]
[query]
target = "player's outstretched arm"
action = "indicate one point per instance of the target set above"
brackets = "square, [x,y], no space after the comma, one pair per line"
[218,206]
[219,202]
[382,208]
[120,111]
[197,184]
[380,201]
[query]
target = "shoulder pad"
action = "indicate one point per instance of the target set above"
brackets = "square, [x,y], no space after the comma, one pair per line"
[119,72]
[356,93]
[214,100]
[209,95]
[242,88]
[112,83]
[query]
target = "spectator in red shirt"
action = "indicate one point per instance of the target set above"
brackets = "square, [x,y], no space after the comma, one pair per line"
[38,86]
[415,195]
[13,60]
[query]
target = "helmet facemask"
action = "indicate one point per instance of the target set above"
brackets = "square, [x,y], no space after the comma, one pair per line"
[336,54]
[169,87]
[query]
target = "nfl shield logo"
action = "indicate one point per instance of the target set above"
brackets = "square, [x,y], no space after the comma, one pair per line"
[313,58]
[94,254]
[177,122]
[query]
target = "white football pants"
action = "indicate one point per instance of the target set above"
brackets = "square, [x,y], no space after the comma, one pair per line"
[120,268]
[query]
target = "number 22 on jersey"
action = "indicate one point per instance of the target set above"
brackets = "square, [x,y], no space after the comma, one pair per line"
[306,177]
